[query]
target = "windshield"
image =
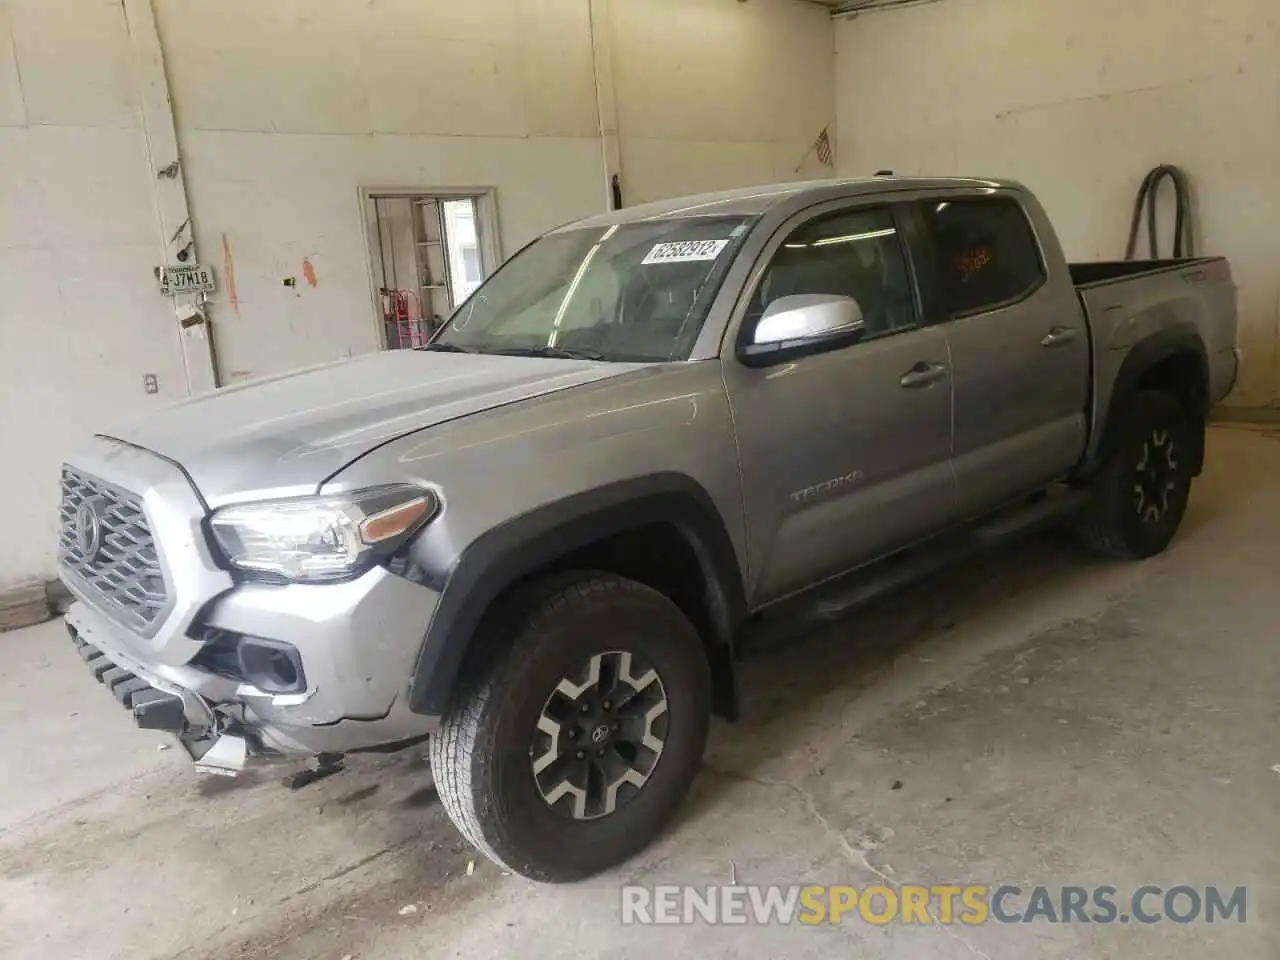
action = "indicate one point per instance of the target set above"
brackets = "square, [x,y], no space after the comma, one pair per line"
[635,292]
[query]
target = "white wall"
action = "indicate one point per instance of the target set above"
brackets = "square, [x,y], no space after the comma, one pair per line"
[1078,100]
[284,110]
[81,318]
[717,93]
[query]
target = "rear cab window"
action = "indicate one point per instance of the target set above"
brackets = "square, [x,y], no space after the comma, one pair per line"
[987,254]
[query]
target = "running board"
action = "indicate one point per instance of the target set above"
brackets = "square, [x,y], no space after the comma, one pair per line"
[788,619]
[1031,517]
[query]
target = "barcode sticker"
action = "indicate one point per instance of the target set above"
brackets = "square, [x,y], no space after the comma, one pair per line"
[685,251]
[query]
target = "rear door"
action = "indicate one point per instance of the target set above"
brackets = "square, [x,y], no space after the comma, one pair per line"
[1019,348]
[844,452]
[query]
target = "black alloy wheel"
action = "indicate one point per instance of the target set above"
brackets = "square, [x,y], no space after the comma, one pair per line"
[600,735]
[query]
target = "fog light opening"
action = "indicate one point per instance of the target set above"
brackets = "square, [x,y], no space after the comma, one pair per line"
[270,666]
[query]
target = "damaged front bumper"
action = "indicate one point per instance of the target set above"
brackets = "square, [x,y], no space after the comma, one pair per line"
[347,651]
[156,702]
[354,698]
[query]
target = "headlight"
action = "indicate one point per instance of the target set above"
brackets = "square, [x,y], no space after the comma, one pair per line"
[315,539]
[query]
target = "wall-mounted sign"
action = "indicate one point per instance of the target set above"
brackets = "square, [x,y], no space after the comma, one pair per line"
[186,278]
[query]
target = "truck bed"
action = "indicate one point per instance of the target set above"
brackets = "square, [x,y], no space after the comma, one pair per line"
[1095,273]
[1130,301]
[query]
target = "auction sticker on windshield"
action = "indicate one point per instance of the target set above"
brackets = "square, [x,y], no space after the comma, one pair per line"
[685,251]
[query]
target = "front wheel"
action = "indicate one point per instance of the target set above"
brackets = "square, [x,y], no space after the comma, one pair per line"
[1139,498]
[578,726]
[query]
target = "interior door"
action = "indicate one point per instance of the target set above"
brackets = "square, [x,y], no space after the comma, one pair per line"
[1020,366]
[844,452]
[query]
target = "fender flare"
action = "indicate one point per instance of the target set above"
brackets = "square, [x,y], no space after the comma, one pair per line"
[507,553]
[1142,356]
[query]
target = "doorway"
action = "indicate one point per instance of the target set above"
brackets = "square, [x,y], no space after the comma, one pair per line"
[428,252]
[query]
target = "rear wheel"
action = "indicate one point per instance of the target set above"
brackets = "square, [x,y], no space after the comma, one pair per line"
[1140,497]
[578,726]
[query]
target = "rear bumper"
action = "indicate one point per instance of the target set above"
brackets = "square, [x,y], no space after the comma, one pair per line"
[1224,373]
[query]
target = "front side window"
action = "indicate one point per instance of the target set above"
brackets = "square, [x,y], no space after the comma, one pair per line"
[987,254]
[854,254]
[633,292]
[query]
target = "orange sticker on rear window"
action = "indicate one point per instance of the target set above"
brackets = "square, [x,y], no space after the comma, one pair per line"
[973,260]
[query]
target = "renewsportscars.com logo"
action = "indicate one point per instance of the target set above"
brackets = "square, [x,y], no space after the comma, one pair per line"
[971,905]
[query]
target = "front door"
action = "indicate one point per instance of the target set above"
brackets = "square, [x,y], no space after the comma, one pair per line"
[1020,364]
[844,453]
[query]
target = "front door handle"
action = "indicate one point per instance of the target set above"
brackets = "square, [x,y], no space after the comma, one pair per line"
[1059,336]
[923,374]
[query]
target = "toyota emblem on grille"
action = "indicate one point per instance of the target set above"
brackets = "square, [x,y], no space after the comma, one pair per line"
[89,529]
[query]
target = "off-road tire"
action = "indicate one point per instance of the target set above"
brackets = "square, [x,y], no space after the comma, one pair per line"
[1112,524]
[480,755]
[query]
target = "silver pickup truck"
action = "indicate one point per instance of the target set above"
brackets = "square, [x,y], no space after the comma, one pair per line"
[541,542]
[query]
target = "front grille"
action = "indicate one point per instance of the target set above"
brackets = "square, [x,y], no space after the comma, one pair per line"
[121,569]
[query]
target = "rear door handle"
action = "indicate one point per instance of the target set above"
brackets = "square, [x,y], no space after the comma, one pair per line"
[1059,336]
[923,374]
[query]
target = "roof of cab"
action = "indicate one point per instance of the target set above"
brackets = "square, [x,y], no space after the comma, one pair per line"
[752,201]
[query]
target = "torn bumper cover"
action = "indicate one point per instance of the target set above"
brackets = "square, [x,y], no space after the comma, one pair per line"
[158,704]
[222,723]
[153,708]
[234,668]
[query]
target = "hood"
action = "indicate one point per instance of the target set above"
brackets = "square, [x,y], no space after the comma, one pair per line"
[284,435]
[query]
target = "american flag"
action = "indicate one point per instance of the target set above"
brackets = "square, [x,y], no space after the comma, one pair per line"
[822,148]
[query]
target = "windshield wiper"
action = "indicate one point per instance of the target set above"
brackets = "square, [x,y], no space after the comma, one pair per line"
[556,353]
[438,347]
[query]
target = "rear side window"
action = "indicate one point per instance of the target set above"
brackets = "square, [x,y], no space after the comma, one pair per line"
[987,253]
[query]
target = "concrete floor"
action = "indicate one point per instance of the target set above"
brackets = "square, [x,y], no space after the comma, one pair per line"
[1050,720]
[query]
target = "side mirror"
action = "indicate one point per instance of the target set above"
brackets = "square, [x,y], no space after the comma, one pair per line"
[800,323]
